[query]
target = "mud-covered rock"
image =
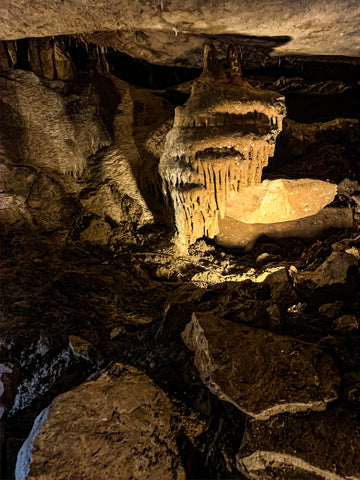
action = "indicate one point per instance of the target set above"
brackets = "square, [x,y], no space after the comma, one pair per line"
[260,373]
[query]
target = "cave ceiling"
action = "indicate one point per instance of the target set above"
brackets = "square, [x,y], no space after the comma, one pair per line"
[172,32]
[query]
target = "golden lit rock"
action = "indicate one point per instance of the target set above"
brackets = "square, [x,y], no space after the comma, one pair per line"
[280,200]
[236,234]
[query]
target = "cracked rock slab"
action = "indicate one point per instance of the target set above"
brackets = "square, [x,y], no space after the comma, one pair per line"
[261,373]
[117,426]
[319,446]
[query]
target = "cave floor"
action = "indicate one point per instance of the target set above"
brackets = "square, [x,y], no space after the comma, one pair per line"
[115,302]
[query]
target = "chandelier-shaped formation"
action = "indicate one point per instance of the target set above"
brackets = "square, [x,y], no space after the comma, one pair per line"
[221,140]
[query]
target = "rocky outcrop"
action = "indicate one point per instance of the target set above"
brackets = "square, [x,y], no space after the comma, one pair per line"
[260,373]
[319,446]
[117,426]
[221,140]
[60,162]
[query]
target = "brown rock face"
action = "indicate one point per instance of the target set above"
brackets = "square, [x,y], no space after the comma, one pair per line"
[320,446]
[220,142]
[118,426]
[260,373]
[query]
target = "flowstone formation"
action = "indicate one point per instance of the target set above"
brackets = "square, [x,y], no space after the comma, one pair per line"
[221,140]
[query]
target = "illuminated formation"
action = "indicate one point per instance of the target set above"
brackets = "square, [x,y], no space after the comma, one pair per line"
[221,140]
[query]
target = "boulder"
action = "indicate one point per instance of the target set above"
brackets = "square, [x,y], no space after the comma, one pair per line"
[319,446]
[117,426]
[98,232]
[261,373]
[280,200]
[236,234]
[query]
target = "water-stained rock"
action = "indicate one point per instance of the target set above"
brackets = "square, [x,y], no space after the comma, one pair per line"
[261,373]
[117,426]
[318,446]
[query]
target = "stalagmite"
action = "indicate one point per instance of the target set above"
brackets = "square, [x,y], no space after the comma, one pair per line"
[221,140]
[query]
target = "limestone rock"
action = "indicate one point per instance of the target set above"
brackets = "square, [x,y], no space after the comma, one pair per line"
[33,199]
[235,234]
[260,373]
[117,426]
[48,130]
[64,66]
[282,292]
[221,140]
[59,153]
[335,277]
[300,138]
[280,200]
[319,446]
[46,54]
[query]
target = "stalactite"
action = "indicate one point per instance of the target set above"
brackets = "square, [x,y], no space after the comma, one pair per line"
[221,140]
